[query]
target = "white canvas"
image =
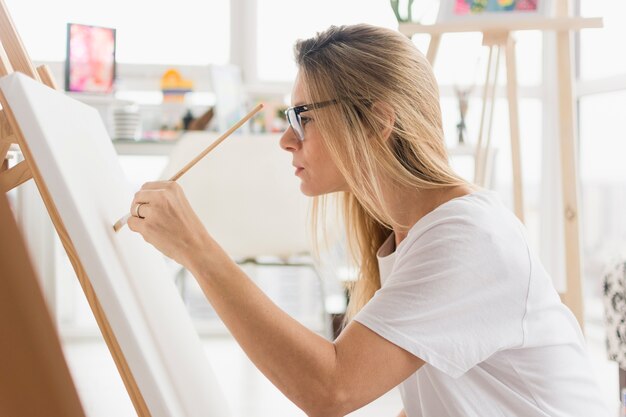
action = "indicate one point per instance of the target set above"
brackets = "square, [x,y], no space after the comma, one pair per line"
[76,158]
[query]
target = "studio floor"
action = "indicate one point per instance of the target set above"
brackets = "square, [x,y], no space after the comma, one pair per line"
[247,391]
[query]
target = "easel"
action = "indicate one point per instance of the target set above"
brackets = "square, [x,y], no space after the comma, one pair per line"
[35,379]
[497,36]
[13,57]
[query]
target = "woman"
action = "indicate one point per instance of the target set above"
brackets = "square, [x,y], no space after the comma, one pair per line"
[450,305]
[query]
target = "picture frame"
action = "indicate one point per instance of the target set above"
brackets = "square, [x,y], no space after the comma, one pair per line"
[469,10]
[90,63]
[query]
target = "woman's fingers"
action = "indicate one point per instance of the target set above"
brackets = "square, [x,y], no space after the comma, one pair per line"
[158,185]
[155,192]
[144,210]
[164,218]
[151,196]
[146,197]
[135,224]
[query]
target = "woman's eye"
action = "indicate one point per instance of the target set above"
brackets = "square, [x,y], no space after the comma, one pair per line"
[305,120]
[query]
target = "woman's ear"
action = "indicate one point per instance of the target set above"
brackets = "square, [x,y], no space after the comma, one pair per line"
[386,116]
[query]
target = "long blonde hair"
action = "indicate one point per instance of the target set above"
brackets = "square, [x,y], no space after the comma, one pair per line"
[362,66]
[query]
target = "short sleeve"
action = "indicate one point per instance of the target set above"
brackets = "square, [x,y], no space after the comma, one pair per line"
[455,296]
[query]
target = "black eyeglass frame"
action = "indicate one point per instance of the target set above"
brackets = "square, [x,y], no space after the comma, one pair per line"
[296,124]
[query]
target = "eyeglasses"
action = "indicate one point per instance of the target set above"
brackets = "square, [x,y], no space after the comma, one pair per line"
[294,119]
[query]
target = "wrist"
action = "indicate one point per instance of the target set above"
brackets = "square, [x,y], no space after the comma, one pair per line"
[204,255]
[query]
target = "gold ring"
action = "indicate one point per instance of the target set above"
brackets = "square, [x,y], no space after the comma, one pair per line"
[137,210]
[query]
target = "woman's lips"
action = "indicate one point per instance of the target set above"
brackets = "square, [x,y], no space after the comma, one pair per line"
[299,170]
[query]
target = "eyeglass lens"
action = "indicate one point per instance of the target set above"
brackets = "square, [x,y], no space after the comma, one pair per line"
[294,121]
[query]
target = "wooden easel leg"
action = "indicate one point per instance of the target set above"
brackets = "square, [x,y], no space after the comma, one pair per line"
[492,101]
[511,70]
[478,156]
[486,118]
[433,48]
[4,148]
[573,296]
[5,138]
[5,65]
[14,177]
[6,134]
[46,76]
[20,61]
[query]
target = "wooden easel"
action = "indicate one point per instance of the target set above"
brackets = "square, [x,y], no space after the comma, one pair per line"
[35,379]
[13,57]
[497,36]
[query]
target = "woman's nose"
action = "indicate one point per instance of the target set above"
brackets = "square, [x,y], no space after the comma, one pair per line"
[289,141]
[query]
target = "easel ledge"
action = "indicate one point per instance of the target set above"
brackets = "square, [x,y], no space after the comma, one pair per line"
[503,25]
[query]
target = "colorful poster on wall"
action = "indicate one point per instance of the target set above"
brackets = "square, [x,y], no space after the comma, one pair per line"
[90,62]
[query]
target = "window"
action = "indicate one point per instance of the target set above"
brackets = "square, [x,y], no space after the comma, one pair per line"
[462,59]
[601,49]
[278,30]
[185,32]
[602,170]
[602,145]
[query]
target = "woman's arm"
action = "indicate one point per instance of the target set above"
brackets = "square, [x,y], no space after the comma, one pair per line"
[322,378]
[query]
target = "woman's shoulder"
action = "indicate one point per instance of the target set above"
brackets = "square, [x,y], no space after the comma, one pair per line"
[478,221]
[482,209]
[471,242]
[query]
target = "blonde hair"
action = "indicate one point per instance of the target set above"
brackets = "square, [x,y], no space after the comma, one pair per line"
[365,67]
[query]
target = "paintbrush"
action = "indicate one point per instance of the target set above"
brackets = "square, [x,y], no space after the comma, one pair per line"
[121,222]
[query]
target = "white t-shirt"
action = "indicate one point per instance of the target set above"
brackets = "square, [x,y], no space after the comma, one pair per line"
[464,293]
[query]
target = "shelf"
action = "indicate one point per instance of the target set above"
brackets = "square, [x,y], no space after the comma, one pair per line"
[163,147]
[93,99]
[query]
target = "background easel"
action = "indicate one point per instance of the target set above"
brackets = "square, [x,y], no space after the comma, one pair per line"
[13,57]
[498,37]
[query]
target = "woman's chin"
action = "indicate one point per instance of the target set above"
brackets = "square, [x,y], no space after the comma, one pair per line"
[307,191]
[314,192]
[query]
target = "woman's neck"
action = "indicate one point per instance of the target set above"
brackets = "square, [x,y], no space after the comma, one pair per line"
[407,207]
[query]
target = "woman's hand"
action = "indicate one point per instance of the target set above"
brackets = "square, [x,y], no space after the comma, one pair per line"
[165,219]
